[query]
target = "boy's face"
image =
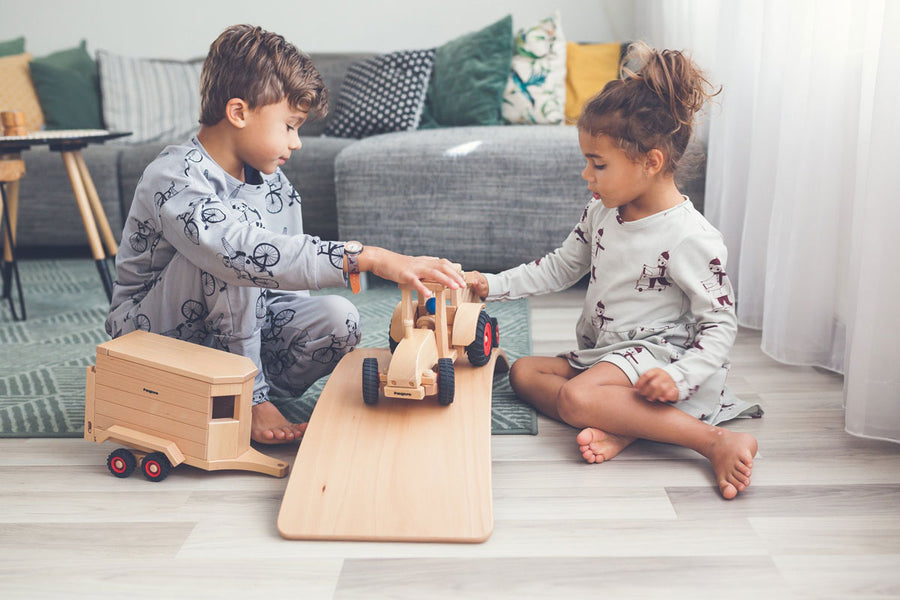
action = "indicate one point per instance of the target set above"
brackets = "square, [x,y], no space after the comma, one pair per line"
[269,135]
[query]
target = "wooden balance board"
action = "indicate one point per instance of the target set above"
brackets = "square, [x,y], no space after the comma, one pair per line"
[401,470]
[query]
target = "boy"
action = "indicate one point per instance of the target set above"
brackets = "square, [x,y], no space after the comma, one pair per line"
[214,251]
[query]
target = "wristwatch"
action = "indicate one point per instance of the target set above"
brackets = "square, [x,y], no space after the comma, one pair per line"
[352,250]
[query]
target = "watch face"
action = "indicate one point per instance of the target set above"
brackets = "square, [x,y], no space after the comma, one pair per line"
[353,247]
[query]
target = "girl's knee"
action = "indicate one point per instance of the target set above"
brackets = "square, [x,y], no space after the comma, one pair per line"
[516,373]
[521,372]
[571,401]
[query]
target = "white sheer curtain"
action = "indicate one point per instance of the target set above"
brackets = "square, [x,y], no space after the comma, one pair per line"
[801,179]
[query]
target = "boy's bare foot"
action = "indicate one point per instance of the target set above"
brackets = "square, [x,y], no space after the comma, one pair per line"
[268,425]
[731,455]
[597,446]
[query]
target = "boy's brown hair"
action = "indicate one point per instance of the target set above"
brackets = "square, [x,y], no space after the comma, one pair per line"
[260,68]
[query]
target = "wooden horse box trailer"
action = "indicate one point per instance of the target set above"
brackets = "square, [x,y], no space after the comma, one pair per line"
[172,402]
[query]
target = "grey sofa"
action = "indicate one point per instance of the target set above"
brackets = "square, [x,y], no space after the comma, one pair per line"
[487,197]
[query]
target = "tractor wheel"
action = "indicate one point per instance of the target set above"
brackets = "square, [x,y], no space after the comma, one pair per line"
[121,462]
[495,329]
[156,466]
[479,351]
[370,383]
[446,381]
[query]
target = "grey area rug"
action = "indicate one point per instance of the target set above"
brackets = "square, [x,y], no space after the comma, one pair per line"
[43,359]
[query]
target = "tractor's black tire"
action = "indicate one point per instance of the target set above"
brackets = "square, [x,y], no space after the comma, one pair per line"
[155,466]
[495,327]
[370,383]
[121,462]
[479,351]
[446,381]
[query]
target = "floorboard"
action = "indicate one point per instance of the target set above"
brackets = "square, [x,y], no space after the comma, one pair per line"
[820,521]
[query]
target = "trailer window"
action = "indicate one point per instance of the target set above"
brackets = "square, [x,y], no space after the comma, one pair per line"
[224,407]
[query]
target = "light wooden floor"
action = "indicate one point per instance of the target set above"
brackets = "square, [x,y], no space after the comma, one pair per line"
[821,520]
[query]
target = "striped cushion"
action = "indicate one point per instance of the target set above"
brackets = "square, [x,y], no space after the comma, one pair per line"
[156,100]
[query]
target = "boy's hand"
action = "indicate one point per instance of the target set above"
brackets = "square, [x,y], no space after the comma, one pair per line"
[657,386]
[479,284]
[411,270]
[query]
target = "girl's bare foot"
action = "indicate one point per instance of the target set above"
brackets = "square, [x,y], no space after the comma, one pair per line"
[597,446]
[731,455]
[268,425]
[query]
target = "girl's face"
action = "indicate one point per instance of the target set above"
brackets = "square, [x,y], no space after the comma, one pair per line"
[269,136]
[613,177]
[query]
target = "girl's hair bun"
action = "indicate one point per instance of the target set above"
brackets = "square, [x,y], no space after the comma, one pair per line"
[652,105]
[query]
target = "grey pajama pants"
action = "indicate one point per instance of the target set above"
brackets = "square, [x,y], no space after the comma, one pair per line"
[293,338]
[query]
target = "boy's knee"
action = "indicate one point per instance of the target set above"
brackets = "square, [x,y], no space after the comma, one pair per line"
[342,317]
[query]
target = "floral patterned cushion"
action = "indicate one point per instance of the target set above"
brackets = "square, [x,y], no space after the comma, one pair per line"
[536,89]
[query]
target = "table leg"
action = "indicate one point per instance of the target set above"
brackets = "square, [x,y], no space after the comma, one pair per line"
[99,214]
[10,214]
[87,218]
[8,207]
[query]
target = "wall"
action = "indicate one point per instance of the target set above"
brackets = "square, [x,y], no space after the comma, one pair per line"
[185,28]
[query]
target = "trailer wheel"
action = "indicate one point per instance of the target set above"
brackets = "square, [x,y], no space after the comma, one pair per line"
[370,383]
[156,466]
[479,351]
[121,462]
[446,381]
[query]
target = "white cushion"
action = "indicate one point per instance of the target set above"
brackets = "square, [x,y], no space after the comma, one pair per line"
[156,100]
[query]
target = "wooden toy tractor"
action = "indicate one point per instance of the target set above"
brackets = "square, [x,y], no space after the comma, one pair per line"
[426,337]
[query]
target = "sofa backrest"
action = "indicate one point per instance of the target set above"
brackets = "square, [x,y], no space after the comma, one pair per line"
[333,67]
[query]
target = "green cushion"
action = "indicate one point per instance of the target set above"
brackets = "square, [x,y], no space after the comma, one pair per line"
[67,85]
[469,77]
[11,47]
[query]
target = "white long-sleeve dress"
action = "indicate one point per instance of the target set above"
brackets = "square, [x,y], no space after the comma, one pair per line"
[658,296]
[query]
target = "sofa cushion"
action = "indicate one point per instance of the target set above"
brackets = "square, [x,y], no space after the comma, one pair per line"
[536,90]
[487,197]
[469,77]
[332,66]
[68,88]
[589,67]
[17,92]
[382,94]
[13,46]
[156,100]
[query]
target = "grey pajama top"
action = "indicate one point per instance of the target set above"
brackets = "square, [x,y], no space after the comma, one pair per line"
[242,233]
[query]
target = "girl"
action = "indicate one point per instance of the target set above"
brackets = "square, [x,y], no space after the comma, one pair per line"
[658,319]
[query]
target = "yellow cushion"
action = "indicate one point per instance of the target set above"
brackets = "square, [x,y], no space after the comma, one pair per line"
[588,68]
[17,91]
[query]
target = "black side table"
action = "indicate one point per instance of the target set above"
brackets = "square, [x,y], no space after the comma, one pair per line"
[69,144]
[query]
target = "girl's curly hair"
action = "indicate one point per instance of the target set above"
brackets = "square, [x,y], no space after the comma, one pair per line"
[651,106]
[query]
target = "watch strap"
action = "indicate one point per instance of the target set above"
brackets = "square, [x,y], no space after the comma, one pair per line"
[353,269]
